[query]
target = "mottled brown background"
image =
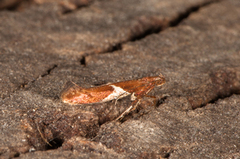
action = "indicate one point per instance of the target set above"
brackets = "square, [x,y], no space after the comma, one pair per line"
[195,44]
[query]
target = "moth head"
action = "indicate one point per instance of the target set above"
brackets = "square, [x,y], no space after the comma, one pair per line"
[156,81]
[69,91]
[160,80]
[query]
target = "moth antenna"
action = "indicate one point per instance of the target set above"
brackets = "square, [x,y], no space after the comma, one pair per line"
[160,75]
[74,83]
[69,86]
[129,109]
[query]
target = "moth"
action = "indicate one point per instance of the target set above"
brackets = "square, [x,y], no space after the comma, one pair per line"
[74,94]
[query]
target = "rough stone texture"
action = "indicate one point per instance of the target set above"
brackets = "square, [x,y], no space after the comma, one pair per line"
[49,43]
[209,132]
[42,36]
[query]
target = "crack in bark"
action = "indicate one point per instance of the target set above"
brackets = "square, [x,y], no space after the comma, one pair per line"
[213,101]
[184,15]
[145,26]
[153,25]
[24,85]
[224,83]
[49,70]
[136,37]
[83,61]
[43,75]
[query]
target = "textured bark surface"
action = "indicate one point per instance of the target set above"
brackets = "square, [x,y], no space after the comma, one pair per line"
[194,44]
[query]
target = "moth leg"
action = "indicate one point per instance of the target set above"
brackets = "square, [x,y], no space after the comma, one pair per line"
[124,113]
[135,106]
[129,109]
[150,96]
[121,96]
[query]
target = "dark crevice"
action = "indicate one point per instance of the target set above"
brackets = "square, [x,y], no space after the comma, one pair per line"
[224,84]
[48,130]
[167,155]
[54,144]
[9,5]
[115,47]
[16,5]
[146,33]
[145,26]
[215,100]
[184,15]
[13,7]
[49,71]
[16,154]
[161,101]
[83,61]
[45,74]
[156,25]
[25,84]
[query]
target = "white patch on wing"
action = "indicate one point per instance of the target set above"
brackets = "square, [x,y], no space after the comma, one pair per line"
[133,97]
[117,93]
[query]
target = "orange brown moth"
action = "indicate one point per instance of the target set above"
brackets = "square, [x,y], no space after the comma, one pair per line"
[74,94]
